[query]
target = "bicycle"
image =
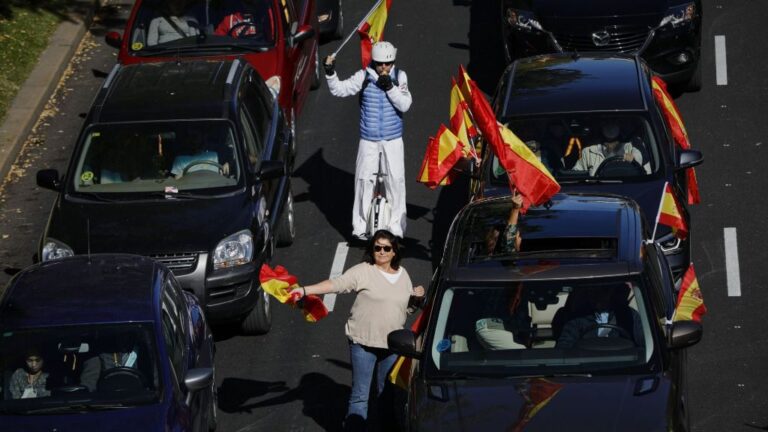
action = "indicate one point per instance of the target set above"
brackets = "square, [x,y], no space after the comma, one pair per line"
[380,212]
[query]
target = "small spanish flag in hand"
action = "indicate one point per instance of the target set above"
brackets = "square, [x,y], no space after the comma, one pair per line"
[278,283]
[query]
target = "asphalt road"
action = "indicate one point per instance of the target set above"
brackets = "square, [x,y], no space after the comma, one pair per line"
[297,377]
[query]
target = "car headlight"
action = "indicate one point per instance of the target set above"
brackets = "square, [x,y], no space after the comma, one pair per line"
[54,249]
[679,14]
[234,250]
[273,83]
[522,19]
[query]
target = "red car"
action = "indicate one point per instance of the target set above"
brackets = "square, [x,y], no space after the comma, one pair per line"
[278,37]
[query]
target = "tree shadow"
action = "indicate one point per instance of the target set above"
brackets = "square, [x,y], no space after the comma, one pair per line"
[60,8]
[109,17]
[486,50]
[325,400]
[234,392]
[331,189]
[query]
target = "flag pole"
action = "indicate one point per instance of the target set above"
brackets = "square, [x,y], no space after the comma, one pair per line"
[658,213]
[365,18]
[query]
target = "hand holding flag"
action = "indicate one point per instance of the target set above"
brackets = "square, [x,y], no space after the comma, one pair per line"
[280,284]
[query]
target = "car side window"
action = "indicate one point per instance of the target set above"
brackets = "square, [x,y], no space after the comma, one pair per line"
[173,329]
[253,143]
[654,276]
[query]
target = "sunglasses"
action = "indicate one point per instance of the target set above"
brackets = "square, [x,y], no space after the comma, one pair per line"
[378,248]
[383,63]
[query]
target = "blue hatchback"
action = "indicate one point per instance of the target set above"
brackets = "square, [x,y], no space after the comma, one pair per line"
[102,340]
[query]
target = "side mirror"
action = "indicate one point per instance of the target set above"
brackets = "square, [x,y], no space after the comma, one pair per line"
[689,159]
[684,334]
[305,32]
[114,39]
[271,169]
[197,379]
[49,179]
[403,342]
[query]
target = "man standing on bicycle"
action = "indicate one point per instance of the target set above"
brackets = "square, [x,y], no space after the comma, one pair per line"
[384,97]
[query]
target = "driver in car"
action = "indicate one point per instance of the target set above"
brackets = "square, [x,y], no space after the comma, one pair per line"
[609,316]
[593,156]
[119,351]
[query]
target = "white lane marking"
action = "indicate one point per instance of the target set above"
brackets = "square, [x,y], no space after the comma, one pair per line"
[732,262]
[337,268]
[721,66]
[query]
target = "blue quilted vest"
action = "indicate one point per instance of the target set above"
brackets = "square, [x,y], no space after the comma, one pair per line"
[379,120]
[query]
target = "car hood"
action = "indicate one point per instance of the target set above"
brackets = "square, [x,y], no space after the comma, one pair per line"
[604,404]
[597,8]
[151,418]
[149,227]
[647,194]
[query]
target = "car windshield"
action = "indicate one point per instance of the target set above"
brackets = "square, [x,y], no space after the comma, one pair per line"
[78,368]
[200,24]
[157,157]
[588,147]
[542,328]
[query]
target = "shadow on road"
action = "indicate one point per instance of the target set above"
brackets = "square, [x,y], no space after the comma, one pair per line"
[486,51]
[325,400]
[450,200]
[109,18]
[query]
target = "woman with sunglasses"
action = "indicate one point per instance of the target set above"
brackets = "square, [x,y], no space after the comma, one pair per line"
[384,97]
[383,290]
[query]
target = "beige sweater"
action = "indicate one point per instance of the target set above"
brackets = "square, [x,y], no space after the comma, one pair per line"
[380,306]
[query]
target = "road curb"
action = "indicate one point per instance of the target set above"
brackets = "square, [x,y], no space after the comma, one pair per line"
[34,93]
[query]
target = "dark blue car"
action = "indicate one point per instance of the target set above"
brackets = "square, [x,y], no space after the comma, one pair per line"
[593,122]
[99,340]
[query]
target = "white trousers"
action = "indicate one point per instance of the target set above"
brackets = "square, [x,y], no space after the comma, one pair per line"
[394,183]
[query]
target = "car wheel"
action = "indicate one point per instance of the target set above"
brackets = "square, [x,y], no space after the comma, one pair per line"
[286,228]
[338,32]
[259,320]
[315,84]
[694,84]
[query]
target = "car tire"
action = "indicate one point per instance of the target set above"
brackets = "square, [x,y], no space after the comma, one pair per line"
[338,32]
[315,84]
[694,84]
[259,319]
[286,228]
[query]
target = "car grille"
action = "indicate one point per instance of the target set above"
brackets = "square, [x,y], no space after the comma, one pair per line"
[178,262]
[623,39]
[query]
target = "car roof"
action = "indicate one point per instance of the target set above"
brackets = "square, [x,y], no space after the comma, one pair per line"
[96,289]
[555,83]
[552,230]
[188,89]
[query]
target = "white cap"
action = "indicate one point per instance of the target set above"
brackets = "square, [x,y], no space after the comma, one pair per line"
[383,51]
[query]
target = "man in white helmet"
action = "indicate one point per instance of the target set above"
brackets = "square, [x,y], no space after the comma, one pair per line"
[384,97]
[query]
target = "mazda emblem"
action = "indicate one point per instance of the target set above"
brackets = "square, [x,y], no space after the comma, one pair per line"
[601,38]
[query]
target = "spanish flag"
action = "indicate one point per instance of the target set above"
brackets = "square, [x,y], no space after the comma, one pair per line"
[679,134]
[443,151]
[401,371]
[537,393]
[670,213]
[690,302]
[278,283]
[461,122]
[526,173]
[372,29]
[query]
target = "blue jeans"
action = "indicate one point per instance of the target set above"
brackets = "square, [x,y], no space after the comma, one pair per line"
[364,361]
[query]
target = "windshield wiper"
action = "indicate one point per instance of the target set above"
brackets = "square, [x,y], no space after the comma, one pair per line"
[199,48]
[74,407]
[93,196]
[591,181]
[176,195]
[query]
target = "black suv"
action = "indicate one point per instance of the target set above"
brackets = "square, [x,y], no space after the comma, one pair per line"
[667,33]
[567,107]
[571,331]
[187,162]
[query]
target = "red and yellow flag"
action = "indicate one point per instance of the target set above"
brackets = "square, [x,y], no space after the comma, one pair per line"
[401,371]
[443,151]
[679,134]
[690,302]
[372,30]
[278,283]
[670,213]
[537,392]
[461,122]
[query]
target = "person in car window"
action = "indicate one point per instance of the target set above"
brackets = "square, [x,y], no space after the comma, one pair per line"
[246,18]
[609,315]
[384,97]
[508,331]
[172,24]
[593,156]
[384,290]
[29,382]
[118,351]
[505,239]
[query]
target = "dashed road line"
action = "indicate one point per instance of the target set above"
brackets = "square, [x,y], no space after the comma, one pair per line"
[732,262]
[721,65]
[337,268]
